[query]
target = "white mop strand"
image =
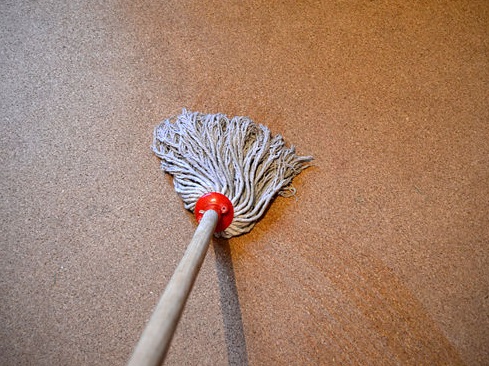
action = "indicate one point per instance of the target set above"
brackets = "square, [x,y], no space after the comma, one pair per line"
[235,157]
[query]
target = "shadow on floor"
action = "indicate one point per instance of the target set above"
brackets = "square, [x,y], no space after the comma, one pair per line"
[231,310]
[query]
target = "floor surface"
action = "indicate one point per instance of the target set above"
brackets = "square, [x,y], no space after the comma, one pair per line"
[381,258]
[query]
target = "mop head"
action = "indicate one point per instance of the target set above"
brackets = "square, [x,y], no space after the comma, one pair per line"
[236,157]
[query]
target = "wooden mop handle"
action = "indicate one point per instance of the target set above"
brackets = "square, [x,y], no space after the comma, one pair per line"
[156,338]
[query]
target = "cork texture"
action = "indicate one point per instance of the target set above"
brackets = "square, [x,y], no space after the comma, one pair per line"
[381,258]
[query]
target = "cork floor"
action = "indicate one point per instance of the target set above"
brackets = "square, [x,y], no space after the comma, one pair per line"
[381,258]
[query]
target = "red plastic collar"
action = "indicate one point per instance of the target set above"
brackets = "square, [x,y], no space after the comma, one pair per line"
[219,203]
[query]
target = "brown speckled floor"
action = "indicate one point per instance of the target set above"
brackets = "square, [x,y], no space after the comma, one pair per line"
[382,258]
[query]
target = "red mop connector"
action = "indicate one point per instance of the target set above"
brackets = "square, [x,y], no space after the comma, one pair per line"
[219,203]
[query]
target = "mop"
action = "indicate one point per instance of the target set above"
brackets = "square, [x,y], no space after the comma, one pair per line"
[227,171]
